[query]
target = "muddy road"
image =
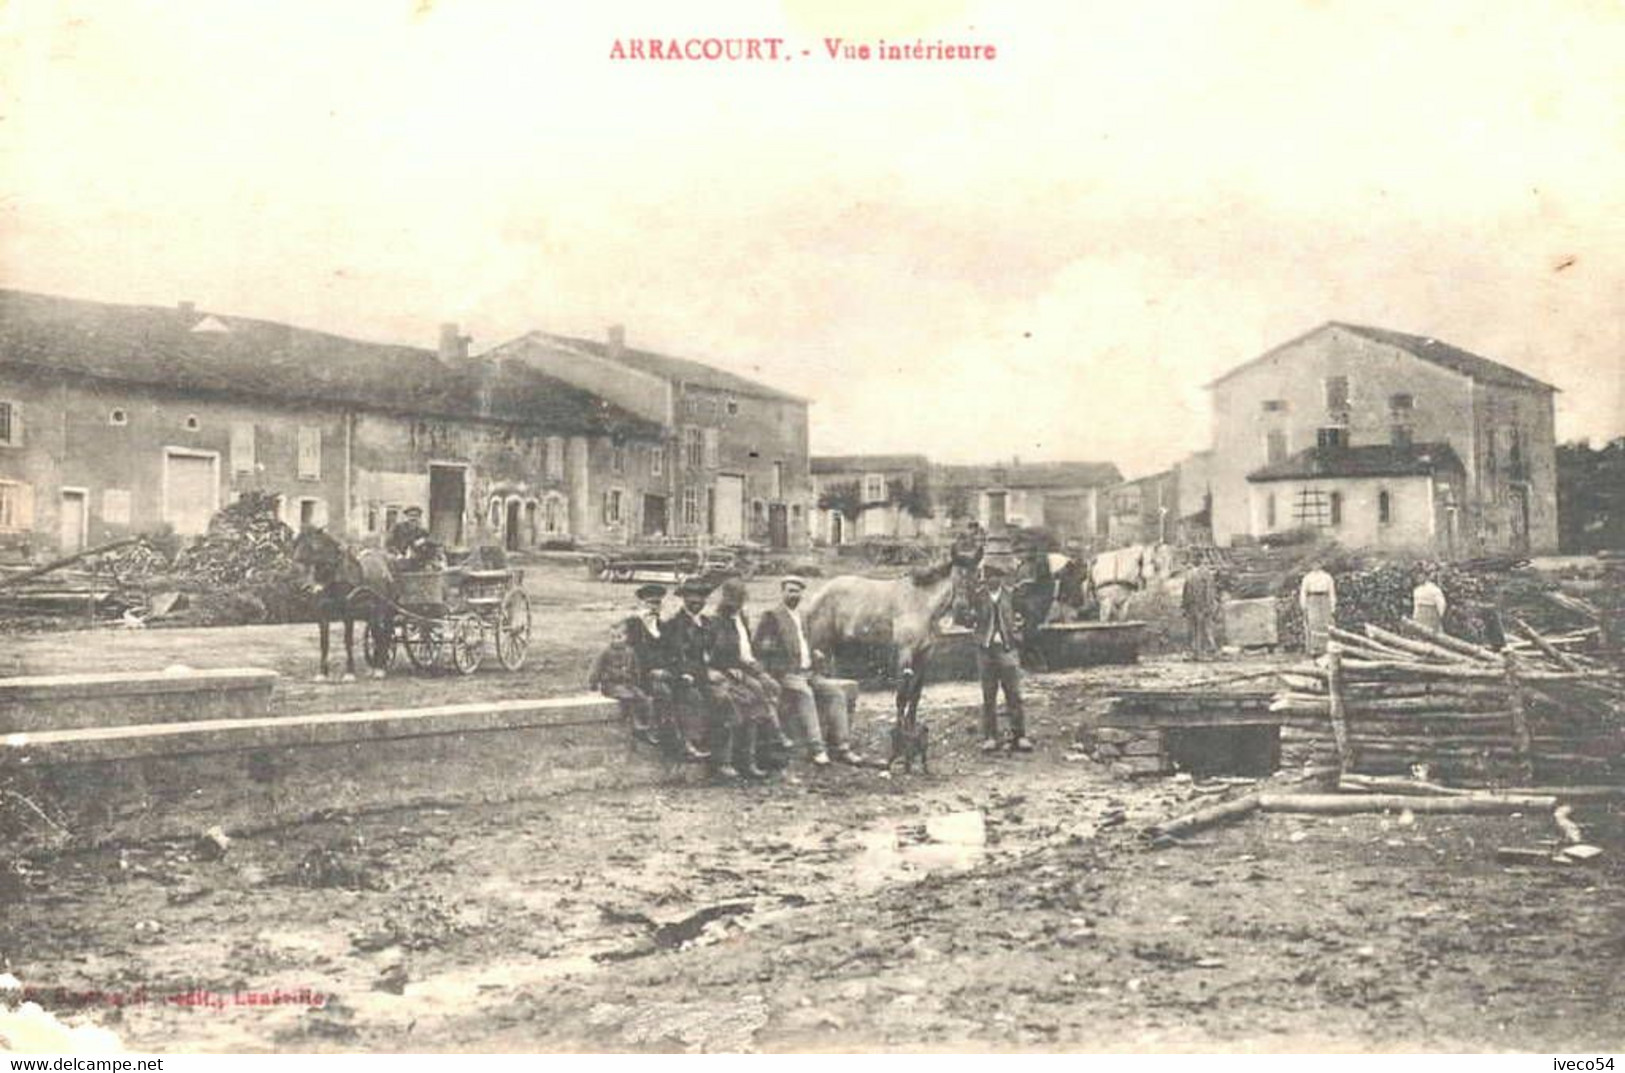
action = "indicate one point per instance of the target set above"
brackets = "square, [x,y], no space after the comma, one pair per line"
[1007,904]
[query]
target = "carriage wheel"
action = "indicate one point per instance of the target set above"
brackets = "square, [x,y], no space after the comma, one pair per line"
[378,645]
[423,643]
[467,644]
[513,629]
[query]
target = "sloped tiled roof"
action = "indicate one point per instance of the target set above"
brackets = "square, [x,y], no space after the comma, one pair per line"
[1035,475]
[188,350]
[1431,350]
[675,368]
[1372,460]
[825,464]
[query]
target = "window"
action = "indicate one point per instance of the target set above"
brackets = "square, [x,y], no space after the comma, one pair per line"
[118,417]
[612,507]
[617,459]
[1274,406]
[778,480]
[192,423]
[1337,393]
[1400,436]
[874,488]
[1332,437]
[1275,445]
[713,448]
[16,507]
[391,516]
[1269,511]
[1492,460]
[1336,502]
[493,514]
[691,506]
[11,424]
[657,460]
[694,447]
[372,517]
[1401,403]
[555,458]
[242,447]
[312,511]
[1515,468]
[310,453]
[1385,507]
[732,405]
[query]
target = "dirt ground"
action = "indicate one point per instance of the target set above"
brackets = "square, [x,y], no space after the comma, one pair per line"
[1004,903]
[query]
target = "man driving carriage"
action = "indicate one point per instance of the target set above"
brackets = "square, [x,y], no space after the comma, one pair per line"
[408,542]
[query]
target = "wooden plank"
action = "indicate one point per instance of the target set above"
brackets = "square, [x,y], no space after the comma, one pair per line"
[1334,679]
[1343,804]
[1453,644]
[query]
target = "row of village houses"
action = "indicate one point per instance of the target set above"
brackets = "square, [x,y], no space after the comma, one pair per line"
[1372,438]
[119,419]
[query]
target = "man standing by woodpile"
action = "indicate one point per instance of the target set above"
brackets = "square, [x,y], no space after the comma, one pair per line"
[688,643]
[821,705]
[998,658]
[1317,597]
[1428,603]
[1200,602]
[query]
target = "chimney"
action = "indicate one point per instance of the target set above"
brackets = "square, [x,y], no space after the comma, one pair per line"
[617,340]
[186,308]
[453,346]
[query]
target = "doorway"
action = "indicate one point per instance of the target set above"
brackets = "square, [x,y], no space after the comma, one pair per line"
[730,509]
[448,486]
[778,525]
[75,520]
[511,530]
[654,515]
[191,490]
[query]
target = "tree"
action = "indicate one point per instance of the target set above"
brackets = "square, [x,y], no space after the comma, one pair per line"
[912,497]
[1591,496]
[845,498]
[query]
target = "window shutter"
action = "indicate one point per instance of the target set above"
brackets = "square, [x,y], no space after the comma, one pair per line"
[24,512]
[712,449]
[310,452]
[242,447]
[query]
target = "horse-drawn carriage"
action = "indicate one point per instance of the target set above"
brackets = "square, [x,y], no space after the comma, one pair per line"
[449,619]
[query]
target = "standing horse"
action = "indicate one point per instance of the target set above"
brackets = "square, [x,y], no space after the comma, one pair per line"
[343,582]
[904,612]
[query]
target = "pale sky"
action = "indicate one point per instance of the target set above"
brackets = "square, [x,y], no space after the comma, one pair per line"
[1045,255]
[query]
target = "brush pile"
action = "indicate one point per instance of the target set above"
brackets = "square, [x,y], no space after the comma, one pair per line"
[1383,702]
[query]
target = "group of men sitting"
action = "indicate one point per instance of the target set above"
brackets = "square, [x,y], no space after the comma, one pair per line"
[714,687]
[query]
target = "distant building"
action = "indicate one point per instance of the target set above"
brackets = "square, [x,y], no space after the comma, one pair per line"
[1383,439]
[892,492]
[735,460]
[1066,498]
[118,419]
[1144,511]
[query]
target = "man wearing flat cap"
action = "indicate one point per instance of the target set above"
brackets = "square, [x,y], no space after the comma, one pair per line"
[997,631]
[654,660]
[409,541]
[689,650]
[820,706]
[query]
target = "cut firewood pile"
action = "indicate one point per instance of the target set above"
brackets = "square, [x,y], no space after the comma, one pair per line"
[1385,702]
[237,572]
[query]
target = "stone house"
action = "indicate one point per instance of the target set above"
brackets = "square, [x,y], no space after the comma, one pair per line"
[885,485]
[118,419]
[1292,413]
[734,456]
[1066,498]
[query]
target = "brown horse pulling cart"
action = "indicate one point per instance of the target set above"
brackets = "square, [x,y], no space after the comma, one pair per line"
[451,619]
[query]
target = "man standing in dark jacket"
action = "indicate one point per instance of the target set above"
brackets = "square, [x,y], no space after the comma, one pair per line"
[688,649]
[998,658]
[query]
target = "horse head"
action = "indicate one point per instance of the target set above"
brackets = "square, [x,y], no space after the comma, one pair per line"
[318,556]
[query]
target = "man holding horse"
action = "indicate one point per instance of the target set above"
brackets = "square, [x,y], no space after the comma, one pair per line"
[997,630]
[822,706]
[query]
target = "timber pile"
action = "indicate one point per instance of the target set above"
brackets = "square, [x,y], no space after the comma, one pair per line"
[1383,702]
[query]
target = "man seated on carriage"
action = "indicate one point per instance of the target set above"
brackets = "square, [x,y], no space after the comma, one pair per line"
[822,705]
[654,664]
[754,694]
[408,542]
[697,693]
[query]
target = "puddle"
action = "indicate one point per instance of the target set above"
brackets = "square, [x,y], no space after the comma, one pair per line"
[893,853]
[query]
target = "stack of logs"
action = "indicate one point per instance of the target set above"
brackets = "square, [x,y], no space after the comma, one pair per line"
[1386,702]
